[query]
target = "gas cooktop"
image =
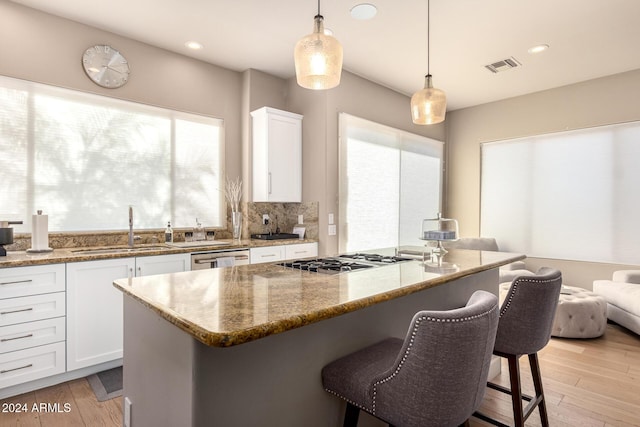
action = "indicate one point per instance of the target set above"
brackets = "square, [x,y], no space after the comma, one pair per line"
[343,263]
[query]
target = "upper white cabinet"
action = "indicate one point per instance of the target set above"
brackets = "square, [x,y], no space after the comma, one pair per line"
[277,155]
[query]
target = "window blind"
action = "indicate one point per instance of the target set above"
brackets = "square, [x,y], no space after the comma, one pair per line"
[568,195]
[390,180]
[83,159]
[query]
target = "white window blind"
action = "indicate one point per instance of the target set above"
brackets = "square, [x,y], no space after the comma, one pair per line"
[569,195]
[390,180]
[83,159]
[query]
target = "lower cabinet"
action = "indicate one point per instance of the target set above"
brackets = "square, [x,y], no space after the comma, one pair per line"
[32,323]
[301,250]
[94,311]
[94,305]
[266,254]
[30,364]
[283,252]
[162,264]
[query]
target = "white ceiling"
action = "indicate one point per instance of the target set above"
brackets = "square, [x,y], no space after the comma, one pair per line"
[587,38]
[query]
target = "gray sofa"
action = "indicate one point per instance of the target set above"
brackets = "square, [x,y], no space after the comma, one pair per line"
[507,272]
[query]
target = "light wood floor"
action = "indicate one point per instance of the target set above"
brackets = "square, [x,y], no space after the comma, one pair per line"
[593,383]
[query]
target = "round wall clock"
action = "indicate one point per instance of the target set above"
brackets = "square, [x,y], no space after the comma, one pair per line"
[105,66]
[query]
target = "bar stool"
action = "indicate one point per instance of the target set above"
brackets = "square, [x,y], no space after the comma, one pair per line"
[526,320]
[435,377]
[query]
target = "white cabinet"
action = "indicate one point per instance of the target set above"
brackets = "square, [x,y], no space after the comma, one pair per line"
[94,311]
[32,323]
[301,250]
[283,252]
[277,156]
[266,254]
[162,264]
[94,305]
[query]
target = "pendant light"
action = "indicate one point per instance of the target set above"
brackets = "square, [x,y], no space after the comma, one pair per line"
[318,58]
[429,105]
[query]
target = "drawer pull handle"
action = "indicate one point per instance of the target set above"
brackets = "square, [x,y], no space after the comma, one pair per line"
[17,311]
[267,255]
[15,338]
[16,281]
[15,369]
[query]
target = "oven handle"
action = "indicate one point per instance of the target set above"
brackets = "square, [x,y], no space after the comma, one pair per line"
[210,260]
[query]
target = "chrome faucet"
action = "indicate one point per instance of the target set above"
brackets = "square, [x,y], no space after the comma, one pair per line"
[130,226]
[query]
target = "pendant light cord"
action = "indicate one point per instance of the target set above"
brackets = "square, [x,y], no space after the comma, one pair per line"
[318,7]
[428,38]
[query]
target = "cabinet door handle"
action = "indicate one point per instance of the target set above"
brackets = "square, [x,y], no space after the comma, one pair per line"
[269,182]
[16,338]
[16,281]
[15,369]
[17,311]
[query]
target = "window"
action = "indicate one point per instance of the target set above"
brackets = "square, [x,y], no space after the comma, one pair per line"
[83,159]
[568,195]
[390,180]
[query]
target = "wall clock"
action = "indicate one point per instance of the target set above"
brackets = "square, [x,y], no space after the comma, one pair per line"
[105,66]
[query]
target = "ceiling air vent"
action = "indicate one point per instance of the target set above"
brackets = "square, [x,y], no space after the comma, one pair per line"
[504,65]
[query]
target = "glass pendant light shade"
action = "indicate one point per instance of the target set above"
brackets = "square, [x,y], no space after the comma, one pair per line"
[318,59]
[429,105]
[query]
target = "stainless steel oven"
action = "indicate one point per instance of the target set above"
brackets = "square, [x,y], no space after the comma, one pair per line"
[221,258]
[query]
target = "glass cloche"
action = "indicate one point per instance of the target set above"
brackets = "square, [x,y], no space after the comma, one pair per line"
[439,230]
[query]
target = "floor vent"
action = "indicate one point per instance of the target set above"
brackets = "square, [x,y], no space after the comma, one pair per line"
[503,65]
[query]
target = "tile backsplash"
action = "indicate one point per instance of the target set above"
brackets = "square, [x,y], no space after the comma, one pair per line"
[283,215]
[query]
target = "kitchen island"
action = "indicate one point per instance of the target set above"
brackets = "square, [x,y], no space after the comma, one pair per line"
[244,346]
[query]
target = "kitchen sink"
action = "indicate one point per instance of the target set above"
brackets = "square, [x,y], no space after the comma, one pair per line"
[118,249]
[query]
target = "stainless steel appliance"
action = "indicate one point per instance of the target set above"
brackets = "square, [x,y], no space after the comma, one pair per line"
[214,259]
[344,263]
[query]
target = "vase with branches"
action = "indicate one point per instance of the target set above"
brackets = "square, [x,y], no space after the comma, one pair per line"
[233,194]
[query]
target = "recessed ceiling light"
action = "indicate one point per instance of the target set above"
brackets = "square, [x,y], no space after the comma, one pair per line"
[539,48]
[363,11]
[193,45]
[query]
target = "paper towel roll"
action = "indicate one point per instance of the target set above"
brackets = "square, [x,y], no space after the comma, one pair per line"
[40,232]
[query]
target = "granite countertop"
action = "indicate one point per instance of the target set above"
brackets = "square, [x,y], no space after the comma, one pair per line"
[23,258]
[230,306]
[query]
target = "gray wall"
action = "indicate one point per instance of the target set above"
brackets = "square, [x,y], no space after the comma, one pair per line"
[602,101]
[47,49]
[356,96]
[43,48]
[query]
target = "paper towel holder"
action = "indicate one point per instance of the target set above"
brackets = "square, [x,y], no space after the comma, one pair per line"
[39,235]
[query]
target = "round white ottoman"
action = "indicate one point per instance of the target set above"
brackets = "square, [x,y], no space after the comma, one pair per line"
[580,313]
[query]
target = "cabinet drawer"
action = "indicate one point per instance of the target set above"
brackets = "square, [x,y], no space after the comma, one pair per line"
[301,250]
[267,254]
[31,364]
[31,334]
[31,280]
[28,309]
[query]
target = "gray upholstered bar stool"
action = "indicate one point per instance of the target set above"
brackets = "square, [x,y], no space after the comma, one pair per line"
[526,320]
[436,376]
